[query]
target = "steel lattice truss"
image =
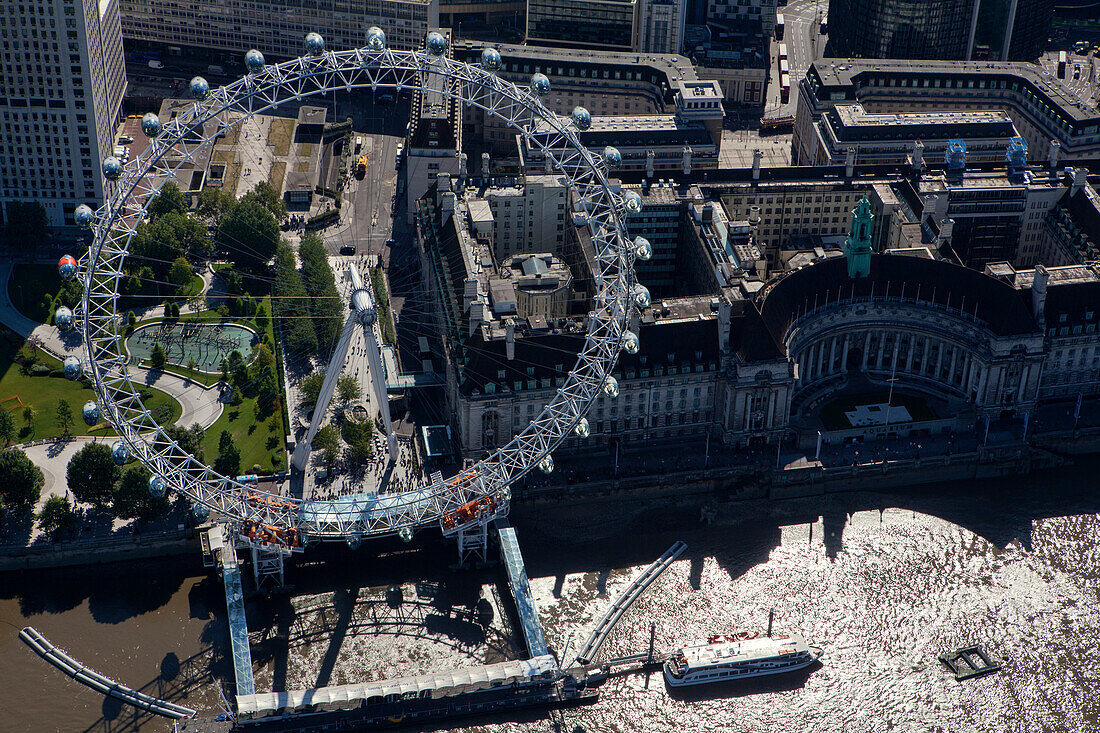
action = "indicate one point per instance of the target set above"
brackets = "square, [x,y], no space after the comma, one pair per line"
[482,491]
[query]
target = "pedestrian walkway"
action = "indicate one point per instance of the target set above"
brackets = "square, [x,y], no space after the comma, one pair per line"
[521,592]
[222,546]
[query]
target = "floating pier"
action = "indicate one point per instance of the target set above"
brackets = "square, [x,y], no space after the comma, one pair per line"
[965,662]
[89,677]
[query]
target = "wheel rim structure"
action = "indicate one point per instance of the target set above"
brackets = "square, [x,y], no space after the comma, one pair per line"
[482,490]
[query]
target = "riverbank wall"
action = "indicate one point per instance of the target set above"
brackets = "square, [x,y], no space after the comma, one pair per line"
[755,483]
[101,551]
[700,486]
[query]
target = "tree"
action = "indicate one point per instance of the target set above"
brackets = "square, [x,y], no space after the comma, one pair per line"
[264,381]
[133,500]
[228,462]
[261,318]
[225,370]
[57,516]
[213,204]
[189,439]
[30,414]
[292,303]
[7,426]
[159,242]
[265,194]
[327,440]
[347,389]
[179,274]
[158,357]
[168,200]
[310,387]
[248,235]
[92,475]
[21,481]
[325,304]
[26,224]
[360,439]
[64,416]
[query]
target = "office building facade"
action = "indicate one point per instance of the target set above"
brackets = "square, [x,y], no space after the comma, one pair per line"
[999,30]
[62,81]
[279,27]
[660,26]
[1055,122]
[608,24]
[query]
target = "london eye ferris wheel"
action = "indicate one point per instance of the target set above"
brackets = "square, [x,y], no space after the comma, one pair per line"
[466,501]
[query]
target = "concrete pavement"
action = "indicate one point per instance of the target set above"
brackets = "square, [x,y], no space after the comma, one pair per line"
[200,403]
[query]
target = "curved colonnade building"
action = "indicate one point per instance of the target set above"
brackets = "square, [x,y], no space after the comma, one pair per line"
[752,358]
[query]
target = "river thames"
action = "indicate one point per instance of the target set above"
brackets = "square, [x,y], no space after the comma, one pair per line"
[883,581]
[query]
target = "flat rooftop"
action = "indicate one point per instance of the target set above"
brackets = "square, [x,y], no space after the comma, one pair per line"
[842,73]
[856,115]
[631,123]
[678,310]
[674,66]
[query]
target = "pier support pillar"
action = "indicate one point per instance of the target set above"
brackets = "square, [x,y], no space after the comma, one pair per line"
[472,543]
[267,565]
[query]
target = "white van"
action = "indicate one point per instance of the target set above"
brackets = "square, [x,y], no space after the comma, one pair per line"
[358,143]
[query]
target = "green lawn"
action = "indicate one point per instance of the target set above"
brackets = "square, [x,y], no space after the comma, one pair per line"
[44,393]
[260,439]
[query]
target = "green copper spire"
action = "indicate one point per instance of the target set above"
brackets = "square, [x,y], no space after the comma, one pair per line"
[857,247]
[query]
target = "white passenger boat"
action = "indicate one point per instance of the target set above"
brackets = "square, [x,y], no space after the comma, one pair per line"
[738,656]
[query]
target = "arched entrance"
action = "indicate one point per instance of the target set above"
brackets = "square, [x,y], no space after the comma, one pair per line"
[854,360]
[490,429]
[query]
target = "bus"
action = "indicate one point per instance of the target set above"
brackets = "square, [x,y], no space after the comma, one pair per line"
[1062,58]
[771,125]
[782,51]
[784,67]
[779,27]
[785,88]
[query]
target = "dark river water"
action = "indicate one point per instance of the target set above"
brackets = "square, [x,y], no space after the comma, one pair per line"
[883,581]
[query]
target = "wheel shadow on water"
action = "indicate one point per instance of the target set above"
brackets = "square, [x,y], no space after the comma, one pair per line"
[404,597]
[178,680]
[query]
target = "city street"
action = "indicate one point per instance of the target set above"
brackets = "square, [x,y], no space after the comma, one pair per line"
[1081,66]
[804,44]
[368,222]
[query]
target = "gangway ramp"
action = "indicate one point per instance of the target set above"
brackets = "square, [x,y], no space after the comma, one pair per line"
[222,547]
[625,600]
[521,592]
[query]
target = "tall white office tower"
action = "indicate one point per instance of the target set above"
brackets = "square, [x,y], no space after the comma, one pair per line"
[62,80]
